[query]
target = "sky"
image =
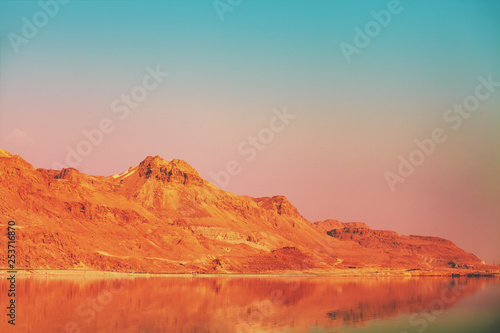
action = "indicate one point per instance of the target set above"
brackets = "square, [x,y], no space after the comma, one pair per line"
[383,112]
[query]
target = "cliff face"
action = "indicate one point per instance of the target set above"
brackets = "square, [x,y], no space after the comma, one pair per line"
[163,216]
[395,250]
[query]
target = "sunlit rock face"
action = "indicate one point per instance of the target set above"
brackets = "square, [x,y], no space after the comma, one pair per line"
[162,216]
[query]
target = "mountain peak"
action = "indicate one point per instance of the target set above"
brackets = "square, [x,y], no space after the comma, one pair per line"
[178,171]
[153,161]
[279,204]
[183,165]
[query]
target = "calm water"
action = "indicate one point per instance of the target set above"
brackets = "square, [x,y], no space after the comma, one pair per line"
[254,304]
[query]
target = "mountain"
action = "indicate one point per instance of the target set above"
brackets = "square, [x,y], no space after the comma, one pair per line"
[162,216]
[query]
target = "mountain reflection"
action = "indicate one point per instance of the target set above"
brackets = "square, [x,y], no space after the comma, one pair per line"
[224,303]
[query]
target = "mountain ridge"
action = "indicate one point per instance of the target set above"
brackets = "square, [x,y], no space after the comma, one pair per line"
[162,216]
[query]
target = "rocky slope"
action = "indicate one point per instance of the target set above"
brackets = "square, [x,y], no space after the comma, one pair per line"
[162,216]
[397,251]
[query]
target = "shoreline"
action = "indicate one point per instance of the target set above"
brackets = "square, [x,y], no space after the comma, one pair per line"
[341,273]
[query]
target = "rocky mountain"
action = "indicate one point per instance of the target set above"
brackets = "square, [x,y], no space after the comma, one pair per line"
[162,216]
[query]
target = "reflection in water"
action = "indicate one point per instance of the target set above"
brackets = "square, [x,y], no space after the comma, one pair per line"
[224,303]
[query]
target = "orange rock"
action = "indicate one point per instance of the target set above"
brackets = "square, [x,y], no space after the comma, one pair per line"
[163,216]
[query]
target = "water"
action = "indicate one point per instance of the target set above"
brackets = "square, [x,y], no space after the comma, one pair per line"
[288,304]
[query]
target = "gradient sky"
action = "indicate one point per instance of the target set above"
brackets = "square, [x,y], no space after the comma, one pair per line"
[352,121]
